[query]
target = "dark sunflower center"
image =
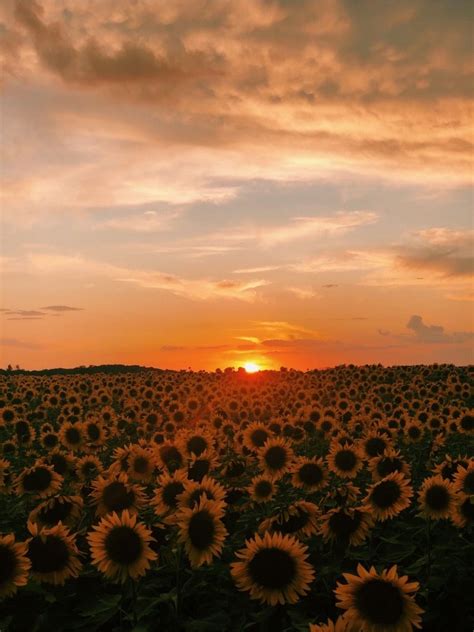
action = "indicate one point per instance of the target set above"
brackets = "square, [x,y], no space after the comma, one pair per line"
[89,468]
[73,436]
[414,432]
[116,497]
[198,470]
[49,555]
[258,437]
[50,440]
[93,432]
[343,525]
[467,510]
[345,460]
[437,497]
[295,522]
[59,463]
[201,530]
[8,415]
[375,446]
[263,489]
[379,602]
[234,469]
[272,568]
[197,445]
[388,465]
[467,422]
[172,457]
[58,511]
[310,474]
[276,457]
[38,480]
[22,428]
[8,563]
[170,492]
[140,465]
[468,484]
[123,545]
[386,494]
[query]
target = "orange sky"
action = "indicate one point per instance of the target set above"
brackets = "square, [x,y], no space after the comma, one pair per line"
[208,183]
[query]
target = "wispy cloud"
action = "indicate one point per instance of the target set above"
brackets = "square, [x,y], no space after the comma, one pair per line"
[196,289]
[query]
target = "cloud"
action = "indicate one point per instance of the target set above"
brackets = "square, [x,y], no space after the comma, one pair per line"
[310,227]
[63,308]
[92,64]
[147,222]
[194,289]
[213,77]
[434,334]
[24,313]
[21,344]
[444,251]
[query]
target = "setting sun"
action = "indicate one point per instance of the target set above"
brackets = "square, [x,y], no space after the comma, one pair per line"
[251,367]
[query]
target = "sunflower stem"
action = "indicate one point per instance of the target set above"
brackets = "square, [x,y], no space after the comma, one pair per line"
[428,547]
[178,583]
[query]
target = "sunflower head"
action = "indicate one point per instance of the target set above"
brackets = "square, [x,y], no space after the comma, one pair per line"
[273,569]
[375,601]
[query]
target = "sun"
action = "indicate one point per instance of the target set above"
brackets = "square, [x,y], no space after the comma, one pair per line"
[251,367]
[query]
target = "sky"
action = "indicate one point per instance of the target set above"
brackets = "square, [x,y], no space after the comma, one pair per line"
[212,182]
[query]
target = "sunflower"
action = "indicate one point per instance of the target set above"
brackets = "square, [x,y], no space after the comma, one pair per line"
[379,602]
[195,443]
[450,465]
[345,493]
[388,462]
[93,432]
[40,480]
[463,514]
[298,519]
[346,526]
[388,497]
[49,440]
[72,435]
[374,444]
[275,457]
[273,569]
[436,498]
[200,466]
[344,460]
[65,509]
[413,432]
[53,554]
[261,489]
[193,491]
[255,436]
[170,486]
[309,474]
[14,565]
[464,479]
[88,467]
[170,456]
[141,464]
[5,476]
[120,546]
[341,625]
[202,530]
[116,493]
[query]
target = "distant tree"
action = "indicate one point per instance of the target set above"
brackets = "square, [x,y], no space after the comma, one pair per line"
[9,367]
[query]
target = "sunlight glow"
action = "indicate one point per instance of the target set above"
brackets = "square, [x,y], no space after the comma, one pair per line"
[251,367]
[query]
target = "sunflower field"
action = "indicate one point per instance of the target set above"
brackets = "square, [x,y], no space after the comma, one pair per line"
[336,500]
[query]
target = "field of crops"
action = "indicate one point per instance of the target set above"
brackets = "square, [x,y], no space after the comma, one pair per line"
[281,501]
